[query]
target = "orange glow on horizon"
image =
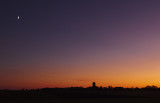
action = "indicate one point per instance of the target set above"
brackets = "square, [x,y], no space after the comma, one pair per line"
[129,72]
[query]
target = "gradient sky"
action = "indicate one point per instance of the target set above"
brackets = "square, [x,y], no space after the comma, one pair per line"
[63,43]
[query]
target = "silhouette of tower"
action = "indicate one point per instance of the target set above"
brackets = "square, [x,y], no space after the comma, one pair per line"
[94,84]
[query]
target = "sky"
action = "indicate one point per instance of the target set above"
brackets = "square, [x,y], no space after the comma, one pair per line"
[65,43]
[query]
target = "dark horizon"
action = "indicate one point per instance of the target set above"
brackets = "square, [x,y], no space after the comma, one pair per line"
[78,94]
[93,86]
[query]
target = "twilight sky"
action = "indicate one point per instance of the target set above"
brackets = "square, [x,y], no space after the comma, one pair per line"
[63,43]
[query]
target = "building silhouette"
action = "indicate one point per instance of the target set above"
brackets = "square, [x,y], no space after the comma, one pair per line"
[94,85]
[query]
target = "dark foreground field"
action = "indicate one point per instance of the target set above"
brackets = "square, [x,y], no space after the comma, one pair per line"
[80,96]
[93,100]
